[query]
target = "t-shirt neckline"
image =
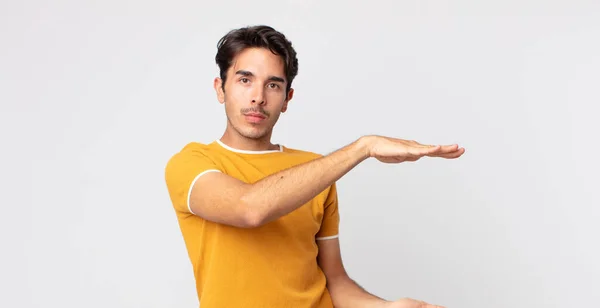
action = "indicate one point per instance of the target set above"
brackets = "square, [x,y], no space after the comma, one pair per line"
[248,151]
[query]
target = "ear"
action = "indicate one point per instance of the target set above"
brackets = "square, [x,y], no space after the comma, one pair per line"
[218,85]
[289,98]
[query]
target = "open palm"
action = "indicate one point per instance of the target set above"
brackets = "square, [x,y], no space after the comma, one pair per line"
[394,150]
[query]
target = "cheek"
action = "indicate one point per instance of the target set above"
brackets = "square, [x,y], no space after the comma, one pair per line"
[234,98]
[230,93]
[275,97]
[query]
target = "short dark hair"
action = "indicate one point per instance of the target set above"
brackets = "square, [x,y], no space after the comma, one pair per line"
[262,36]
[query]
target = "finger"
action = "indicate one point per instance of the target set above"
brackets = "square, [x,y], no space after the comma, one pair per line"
[449,148]
[414,143]
[420,152]
[417,144]
[444,149]
[454,154]
[432,150]
[425,146]
[435,150]
[458,153]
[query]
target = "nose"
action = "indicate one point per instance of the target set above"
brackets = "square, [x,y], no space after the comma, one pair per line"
[258,96]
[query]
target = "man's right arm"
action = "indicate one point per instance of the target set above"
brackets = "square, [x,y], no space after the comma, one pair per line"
[221,198]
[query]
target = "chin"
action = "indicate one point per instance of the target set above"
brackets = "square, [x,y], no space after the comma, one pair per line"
[253,132]
[254,135]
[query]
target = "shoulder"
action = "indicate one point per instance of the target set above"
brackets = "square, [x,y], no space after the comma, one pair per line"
[302,154]
[192,151]
[195,148]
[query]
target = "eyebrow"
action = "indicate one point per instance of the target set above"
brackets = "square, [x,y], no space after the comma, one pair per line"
[271,78]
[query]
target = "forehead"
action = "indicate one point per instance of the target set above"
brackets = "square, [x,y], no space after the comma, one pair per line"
[259,61]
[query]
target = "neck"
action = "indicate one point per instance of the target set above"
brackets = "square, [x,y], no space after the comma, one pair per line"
[239,142]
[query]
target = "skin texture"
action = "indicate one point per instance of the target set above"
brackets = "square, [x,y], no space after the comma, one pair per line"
[256,84]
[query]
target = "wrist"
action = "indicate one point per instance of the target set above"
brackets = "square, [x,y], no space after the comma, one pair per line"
[363,146]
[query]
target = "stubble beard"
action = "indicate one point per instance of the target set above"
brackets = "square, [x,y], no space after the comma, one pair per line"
[253,133]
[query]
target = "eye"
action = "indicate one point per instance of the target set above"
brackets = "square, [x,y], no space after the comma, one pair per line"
[244,80]
[273,86]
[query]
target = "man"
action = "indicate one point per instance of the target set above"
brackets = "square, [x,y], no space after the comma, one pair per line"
[260,220]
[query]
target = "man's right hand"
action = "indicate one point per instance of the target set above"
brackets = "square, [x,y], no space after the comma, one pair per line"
[394,150]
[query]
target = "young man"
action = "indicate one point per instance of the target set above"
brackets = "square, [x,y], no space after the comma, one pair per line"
[260,220]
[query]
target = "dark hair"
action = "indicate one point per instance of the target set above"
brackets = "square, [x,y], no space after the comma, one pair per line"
[260,36]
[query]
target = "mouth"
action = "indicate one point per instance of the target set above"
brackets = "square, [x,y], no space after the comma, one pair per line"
[255,117]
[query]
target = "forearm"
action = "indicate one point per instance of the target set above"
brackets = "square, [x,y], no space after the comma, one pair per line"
[345,293]
[281,193]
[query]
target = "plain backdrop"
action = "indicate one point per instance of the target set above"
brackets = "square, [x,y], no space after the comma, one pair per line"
[97,95]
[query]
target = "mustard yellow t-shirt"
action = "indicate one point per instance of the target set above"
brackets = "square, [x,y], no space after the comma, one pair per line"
[274,265]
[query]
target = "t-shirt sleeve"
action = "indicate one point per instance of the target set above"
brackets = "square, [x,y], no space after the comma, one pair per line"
[182,171]
[331,217]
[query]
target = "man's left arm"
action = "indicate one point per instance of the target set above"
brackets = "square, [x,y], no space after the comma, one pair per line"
[344,291]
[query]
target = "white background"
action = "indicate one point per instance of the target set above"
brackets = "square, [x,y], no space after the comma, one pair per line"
[97,95]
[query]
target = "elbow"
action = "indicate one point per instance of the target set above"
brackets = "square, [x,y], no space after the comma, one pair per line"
[252,219]
[251,215]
